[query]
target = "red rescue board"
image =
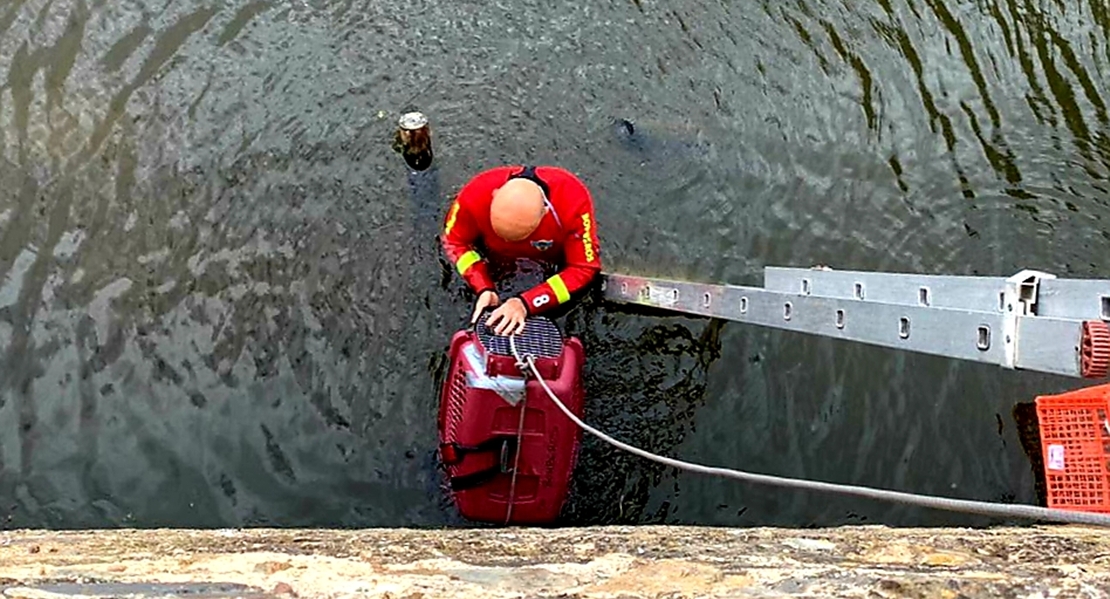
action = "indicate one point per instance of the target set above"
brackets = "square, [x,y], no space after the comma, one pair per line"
[480,417]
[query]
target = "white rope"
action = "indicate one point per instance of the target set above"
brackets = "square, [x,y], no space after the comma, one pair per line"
[516,456]
[997,510]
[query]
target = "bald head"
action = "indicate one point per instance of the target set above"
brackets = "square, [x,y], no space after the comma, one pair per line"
[516,210]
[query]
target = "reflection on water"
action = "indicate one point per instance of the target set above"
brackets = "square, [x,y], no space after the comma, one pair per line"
[222,303]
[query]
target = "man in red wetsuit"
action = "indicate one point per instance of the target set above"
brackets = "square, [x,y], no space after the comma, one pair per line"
[541,213]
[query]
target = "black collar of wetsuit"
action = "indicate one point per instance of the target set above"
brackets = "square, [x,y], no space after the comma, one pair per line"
[529,172]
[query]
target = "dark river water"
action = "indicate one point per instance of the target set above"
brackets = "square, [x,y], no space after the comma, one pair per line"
[222,302]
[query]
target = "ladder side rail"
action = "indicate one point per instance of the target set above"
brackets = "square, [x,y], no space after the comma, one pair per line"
[1079,299]
[949,333]
[982,294]
[1043,344]
[1050,345]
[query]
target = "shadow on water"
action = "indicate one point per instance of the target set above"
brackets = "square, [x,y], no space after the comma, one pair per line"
[1025,418]
[668,364]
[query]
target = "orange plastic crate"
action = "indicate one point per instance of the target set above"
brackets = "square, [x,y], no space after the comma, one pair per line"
[1075,448]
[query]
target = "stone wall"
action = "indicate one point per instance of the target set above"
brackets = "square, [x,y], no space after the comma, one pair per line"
[605,562]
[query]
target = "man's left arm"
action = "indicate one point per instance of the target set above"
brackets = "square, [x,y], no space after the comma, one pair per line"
[582,262]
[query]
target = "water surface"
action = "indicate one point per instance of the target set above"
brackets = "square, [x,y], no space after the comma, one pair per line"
[222,303]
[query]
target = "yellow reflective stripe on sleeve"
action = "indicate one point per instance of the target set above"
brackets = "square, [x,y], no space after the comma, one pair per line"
[560,289]
[451,218]
[466,261]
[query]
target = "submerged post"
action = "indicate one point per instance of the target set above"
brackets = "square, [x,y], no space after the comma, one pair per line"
[413,140]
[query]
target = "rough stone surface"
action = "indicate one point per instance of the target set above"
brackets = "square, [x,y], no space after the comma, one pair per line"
[608,562]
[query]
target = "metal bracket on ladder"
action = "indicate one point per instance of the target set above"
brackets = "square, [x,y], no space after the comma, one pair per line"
[1019,299]
[1029,321]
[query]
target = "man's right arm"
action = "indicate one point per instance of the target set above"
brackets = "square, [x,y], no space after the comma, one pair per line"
[460,236]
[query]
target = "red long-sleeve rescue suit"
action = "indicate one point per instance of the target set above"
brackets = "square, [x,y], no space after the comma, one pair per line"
[567,235]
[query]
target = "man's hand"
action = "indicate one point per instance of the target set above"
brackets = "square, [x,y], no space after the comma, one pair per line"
[511,315]
[486,300]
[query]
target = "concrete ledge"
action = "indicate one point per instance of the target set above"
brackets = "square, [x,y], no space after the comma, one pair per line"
[605,562]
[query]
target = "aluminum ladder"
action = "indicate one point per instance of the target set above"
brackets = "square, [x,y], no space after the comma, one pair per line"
[1030,321]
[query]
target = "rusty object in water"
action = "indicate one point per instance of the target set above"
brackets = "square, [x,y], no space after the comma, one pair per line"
[414,140]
